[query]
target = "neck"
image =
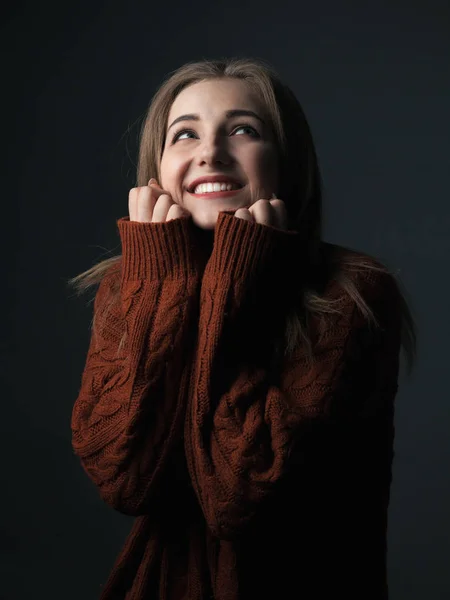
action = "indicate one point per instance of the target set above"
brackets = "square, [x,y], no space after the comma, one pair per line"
[204,241]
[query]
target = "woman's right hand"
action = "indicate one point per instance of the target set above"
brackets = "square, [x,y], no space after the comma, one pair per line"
[151,204]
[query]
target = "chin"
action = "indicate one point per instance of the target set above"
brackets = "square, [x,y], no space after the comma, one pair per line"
[206,222]
[206,217]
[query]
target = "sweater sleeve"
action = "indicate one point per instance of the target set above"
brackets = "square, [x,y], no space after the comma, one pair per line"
[130,408]
[244,422]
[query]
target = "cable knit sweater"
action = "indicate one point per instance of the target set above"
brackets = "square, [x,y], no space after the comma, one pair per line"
[250,477]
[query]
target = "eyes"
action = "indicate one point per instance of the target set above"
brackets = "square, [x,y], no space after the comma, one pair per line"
[177,136]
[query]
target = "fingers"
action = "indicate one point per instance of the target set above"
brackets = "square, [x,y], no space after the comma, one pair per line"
[243,213]
[281,216]
[161,208]
[266,212]
[145,203]
[151,204]
[176,212]
[141,201]
[263,212]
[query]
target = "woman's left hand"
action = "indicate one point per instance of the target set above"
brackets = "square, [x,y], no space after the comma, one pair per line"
[266,212]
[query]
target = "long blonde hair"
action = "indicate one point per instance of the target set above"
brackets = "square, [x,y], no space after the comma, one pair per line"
[300,188]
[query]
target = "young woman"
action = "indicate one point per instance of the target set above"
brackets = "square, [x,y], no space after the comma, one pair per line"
[238,393]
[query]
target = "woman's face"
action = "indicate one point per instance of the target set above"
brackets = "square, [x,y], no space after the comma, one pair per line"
[221,130]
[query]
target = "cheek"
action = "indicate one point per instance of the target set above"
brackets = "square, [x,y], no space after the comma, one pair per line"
[266,167]
[171,171]
[165,171]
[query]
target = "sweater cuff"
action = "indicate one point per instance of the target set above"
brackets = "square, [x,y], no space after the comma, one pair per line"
[245,250]
[154,251]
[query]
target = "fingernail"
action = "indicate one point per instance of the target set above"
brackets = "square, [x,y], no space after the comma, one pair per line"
[274,197]
[152,181]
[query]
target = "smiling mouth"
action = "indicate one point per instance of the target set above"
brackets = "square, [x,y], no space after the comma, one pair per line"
[218,193]
[215,186]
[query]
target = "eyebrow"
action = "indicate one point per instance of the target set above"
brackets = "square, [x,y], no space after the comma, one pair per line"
[237,112]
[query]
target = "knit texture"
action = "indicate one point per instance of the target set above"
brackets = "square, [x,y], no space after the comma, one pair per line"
[248,478]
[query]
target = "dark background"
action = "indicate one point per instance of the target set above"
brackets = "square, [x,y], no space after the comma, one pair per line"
[374,80]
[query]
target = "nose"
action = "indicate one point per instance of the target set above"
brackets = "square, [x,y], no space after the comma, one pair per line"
[213,150]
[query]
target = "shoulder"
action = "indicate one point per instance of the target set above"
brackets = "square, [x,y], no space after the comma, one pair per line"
[359,293]
[344,255]
[112,273]
[109,283]
[350,269]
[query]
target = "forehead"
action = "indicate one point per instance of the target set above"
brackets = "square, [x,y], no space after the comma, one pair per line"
[212,98]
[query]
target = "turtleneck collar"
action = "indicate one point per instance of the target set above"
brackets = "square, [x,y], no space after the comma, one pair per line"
[204,242]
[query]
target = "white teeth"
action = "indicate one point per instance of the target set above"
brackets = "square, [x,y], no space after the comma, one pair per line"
[204,188]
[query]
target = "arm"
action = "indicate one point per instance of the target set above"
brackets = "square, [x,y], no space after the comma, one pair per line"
[242,423]
[130,408]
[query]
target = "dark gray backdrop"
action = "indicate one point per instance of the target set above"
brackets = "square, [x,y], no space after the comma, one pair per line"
[374,81]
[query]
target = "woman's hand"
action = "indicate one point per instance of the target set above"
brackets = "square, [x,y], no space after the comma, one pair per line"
[266,212]
[151,204]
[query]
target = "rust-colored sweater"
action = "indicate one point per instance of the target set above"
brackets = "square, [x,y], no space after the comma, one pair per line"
[250,477]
